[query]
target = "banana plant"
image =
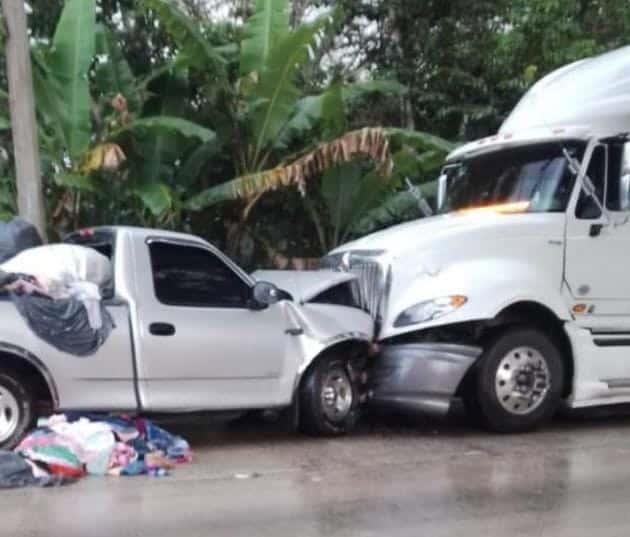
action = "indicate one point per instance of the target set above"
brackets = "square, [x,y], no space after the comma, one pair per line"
[352,200]
[267,113]
[90,111]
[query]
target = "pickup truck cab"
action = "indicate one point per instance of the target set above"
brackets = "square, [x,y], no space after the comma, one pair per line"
[516,295]
[194,332]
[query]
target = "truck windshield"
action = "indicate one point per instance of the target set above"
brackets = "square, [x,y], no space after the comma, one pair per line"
[535,178]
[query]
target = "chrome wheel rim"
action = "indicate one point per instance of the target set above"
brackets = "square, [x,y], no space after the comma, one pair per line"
[337,395]
[522,380]
[9,414]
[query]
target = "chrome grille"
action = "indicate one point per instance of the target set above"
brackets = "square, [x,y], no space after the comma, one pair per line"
[374,279]
[371,285]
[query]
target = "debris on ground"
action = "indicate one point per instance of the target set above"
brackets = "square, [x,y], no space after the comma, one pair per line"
[65,447]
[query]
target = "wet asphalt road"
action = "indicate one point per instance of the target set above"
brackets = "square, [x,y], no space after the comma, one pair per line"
[572,479]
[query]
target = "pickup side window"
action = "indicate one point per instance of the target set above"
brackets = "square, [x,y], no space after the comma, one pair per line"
[194,277]
[597,169]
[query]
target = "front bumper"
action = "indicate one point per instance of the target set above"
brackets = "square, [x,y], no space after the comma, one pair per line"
[419,377]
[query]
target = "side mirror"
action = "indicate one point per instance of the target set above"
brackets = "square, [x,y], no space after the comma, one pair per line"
[265,294]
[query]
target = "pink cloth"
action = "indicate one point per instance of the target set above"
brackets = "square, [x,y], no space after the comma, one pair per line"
[121,456]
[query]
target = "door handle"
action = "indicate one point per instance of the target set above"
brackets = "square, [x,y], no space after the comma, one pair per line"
[294,331]
[162,329]
[595,230]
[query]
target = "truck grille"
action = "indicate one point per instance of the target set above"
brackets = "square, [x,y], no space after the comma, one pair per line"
[374,279]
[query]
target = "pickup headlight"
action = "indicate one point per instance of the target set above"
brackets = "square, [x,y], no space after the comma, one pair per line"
[430,310]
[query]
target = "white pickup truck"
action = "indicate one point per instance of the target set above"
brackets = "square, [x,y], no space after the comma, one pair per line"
[516,296]
[193,332]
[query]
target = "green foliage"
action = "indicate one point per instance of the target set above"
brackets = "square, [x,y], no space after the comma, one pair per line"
[188,35]
[112,73]
[264,30]
[349,191]
[328,111]
[277,90]
[357,201]
[156,197]
[69,61]
[75,180]
[161,124]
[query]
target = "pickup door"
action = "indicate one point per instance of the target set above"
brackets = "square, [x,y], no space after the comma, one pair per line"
[199,346]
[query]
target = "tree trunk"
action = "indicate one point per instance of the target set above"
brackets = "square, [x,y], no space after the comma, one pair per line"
[30,197]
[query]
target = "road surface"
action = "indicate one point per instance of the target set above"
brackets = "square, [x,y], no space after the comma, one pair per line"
[572,479]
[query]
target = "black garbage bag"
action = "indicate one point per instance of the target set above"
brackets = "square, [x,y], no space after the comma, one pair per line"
[64,323]
[16,236]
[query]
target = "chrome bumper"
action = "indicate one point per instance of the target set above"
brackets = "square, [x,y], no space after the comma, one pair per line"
[419,377]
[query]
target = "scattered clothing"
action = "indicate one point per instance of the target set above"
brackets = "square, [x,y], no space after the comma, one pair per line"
[66,447]
[57,460]
[15,471]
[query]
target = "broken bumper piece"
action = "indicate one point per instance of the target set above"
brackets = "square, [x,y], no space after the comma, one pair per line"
[419,377]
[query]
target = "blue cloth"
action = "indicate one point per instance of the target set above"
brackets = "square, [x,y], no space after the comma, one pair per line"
[173,446]
[15,472]
[134,468]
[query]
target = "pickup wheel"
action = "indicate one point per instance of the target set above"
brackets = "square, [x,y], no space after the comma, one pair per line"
[329,400]
[519,381]
[16,409]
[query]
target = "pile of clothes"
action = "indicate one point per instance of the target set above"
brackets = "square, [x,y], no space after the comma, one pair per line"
[66,447]
[56,288]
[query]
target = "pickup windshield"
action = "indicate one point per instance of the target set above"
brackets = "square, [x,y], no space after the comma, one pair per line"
[535,178]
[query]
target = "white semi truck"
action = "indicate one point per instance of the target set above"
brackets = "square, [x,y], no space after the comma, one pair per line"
[516,296]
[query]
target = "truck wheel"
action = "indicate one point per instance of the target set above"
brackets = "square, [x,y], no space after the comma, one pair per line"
[16,409]
[520,381]
[329,399]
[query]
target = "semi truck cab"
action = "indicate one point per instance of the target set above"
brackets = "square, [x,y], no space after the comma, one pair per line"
[515,296]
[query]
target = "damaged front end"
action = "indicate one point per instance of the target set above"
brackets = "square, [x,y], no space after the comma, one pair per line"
[419,372]
[325,312]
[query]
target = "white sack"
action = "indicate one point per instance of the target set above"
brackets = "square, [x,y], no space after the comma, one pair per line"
[57,266]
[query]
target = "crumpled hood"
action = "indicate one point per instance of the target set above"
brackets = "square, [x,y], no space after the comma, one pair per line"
[448,230]
[304,285]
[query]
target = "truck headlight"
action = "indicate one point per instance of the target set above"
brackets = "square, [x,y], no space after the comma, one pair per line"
[430,310]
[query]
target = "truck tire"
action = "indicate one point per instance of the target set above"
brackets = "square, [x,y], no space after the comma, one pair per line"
[329,399]
[16,409]
[519,381]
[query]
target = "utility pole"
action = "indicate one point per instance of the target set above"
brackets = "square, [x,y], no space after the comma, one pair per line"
[30,198]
